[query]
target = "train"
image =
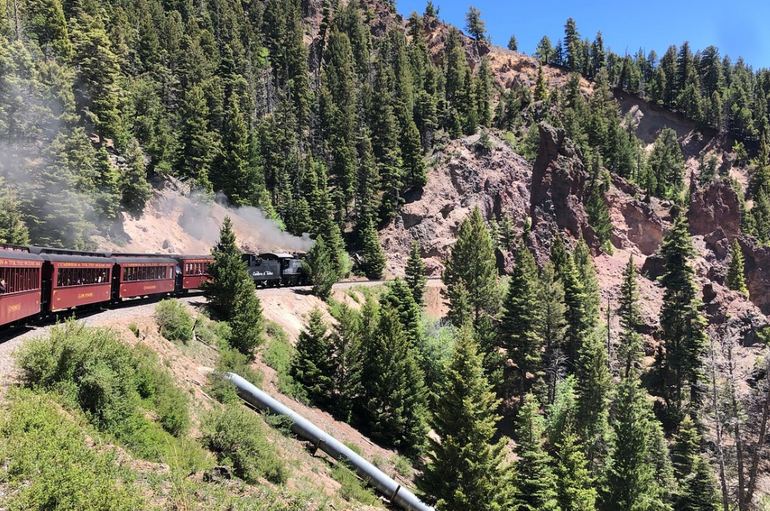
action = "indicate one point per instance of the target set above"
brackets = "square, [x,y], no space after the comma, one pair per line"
[38,281]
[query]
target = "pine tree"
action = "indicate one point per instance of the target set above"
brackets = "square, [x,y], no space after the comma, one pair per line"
[483,94]
[465,468]
[593,383]
[552,326]
[736,276]
[135,190]
[667,164]
[545,51]
[519,325]
[313,364]
[535,482]
[197,143]
[394,401]
[415,273]
[13,230]
[513,44]
[587,272]
[631,347]
[373,257]
[472,264]
[97,88]
[631,477]
[225,272]
[346,345]
[475,25]
[679,366]
[319,265]
[399,298]
[596,205]
[576,307]
[234,175]
[697,485]
[246,320]
[231,293]
[574,484]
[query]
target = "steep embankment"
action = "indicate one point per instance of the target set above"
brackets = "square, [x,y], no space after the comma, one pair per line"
[313,477]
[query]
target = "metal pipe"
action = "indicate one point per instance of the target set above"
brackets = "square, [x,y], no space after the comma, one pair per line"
[330,445]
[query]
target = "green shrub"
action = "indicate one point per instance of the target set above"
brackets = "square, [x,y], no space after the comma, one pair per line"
[351,487]
[278,354]
[174,321]
[213,333]
[112,383]
[231,361]
[49,465]
[237,437]
[403,467]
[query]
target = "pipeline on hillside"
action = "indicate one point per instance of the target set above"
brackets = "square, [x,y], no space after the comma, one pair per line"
[330,445]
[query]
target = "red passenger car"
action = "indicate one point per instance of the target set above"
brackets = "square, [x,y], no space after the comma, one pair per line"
[20,280]
[195,271]
[145,276]
[77,280]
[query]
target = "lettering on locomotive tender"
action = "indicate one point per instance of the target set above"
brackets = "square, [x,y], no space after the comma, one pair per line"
[262,273]
[85,295]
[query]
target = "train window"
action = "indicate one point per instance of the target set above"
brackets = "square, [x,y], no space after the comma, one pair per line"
[81,276]
[135,273]
[19,279]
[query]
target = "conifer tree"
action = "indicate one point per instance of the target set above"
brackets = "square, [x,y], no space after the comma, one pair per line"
[97,88]
[545,51]
[312,364]
[667,165]
[320,267]
[521,317]
[683,326]
[225,272]
[574,484]
[134,188]
[367,198]
[233,176]
[535,482]
[631,477]
[399,297]
[576,307]
[513,44]
[631,348]
[596,205]
[346,345]
[593,384]
[484,94]
[472,264]
[475,25]
[231,293]
[587,272]
[13,230]
[246,321]
[394,401]
[562,412]
[197,143]
[736,273]
[415,273]
[552,327]
[373,257]
[465,468]
[697,485]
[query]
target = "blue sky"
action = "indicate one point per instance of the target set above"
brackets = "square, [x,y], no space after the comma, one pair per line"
[736,27]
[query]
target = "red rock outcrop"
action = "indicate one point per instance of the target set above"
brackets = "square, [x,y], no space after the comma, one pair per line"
[460,178]
[715,207]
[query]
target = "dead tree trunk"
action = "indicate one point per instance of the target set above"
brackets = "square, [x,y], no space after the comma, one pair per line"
[718,422]
[761,438]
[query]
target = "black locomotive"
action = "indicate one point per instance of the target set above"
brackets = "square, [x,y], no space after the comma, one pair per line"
[276,269]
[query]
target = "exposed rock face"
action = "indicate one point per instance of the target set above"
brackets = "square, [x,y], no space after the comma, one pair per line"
[757,272]
[636,224]
[729,311]
[716,206]
[558,185]
[462,178]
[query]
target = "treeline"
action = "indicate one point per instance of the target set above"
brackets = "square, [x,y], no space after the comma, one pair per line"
[98,97]
[594,426]
[702,85]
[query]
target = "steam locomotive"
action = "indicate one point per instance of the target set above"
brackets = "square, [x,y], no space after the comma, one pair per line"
[276,269]
[37,281]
